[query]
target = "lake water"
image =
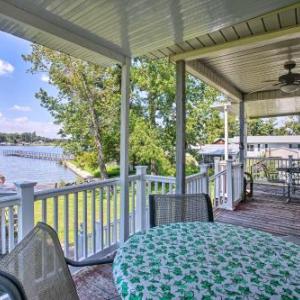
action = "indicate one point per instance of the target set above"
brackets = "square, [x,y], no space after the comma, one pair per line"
[41,171]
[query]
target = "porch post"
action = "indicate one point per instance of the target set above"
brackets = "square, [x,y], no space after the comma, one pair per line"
[226,131]
[180,127]
[124,195]
[243,142]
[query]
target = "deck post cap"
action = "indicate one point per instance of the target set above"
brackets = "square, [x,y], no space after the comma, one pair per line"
[24,184]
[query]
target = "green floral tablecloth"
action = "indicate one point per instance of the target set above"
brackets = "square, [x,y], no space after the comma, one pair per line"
[207,261]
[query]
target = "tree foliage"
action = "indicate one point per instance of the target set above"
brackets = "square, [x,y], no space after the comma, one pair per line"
[87,108]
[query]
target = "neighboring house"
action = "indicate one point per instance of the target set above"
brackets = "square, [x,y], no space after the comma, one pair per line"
[209,151]
[271,146]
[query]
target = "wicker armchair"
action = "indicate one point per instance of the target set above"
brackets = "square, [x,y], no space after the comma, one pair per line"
[37,268]
[166,209]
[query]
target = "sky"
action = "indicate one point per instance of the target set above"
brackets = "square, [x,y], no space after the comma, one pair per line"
[20,111]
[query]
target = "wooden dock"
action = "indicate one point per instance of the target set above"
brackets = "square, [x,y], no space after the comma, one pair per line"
[37,155]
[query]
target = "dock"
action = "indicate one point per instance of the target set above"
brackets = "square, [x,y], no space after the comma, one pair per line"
[38,155]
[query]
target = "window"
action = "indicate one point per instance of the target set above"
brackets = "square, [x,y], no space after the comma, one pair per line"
[298,146]
[266,146]
[258,147]
[290,145]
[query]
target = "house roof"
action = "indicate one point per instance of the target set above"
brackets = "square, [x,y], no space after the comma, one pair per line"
[217,149]
[282,139]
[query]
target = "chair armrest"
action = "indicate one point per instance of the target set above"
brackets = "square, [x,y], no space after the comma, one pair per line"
[89,262]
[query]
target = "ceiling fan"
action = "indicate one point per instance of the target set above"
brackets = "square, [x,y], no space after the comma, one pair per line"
[288,83]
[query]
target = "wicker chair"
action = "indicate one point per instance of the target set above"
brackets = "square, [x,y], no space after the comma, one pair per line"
[166,209]
[37,268]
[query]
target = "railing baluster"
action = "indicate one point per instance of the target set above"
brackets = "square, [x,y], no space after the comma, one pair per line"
[115,214]
[101,214]
[108,238]
[133,205]
[44,210]
[3,231]
[11,228]
[66,224]
[94,221]
[75,226]
[84,217]
[163,188]
[55,213]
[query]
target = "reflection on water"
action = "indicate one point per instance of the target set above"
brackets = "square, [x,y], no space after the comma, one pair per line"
[41,171]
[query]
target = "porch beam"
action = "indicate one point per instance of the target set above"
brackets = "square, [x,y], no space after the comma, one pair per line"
[48,23]
[270,95]
[273,115]
[180,127]
[240,44]
[124,181]
[212,78]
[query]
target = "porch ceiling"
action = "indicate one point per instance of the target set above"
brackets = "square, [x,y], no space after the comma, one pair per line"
[121,28]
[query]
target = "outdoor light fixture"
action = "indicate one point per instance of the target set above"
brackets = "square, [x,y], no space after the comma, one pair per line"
[290,88]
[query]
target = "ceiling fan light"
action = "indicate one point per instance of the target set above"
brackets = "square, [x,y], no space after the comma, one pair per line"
[289,88]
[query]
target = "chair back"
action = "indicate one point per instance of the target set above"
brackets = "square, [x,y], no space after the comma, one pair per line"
[39,265]
[166,209]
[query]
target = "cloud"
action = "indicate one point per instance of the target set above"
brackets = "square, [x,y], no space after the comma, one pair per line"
[45,78]
[5,67]
[21,108]
[24,124]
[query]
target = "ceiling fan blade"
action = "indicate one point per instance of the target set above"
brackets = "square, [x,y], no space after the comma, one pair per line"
[264,88]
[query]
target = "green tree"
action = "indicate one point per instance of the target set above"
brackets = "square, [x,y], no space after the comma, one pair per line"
[87,104]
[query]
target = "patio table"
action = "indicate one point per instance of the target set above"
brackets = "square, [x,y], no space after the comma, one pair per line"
[207,261]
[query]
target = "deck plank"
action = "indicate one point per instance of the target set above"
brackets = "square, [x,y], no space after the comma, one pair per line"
[266,212]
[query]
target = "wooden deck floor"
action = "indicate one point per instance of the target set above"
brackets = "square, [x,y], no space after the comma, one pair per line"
[267,211]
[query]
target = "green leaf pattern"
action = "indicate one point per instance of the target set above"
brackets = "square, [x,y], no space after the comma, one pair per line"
[207,261]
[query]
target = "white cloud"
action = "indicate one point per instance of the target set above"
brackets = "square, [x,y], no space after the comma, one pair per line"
[24,124]
[5,67]
[45,78]
[21,108]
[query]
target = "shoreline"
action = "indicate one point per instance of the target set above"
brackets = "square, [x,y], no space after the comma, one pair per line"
[79,172]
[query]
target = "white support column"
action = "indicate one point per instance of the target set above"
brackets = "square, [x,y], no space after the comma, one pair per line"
[243,143]
[140,216]
[226,131]
[26,192]
[180,127]
[124,194]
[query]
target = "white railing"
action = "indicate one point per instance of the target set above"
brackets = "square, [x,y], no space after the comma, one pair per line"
[87,216]
[226,185]
[9,210]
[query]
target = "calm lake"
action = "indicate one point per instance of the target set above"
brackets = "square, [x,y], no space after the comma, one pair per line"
[41,171]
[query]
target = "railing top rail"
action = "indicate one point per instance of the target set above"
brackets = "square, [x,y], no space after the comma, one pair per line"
[9,201]
[134,177]
[156,178]
[75,188]
[195,176]
[213,177]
